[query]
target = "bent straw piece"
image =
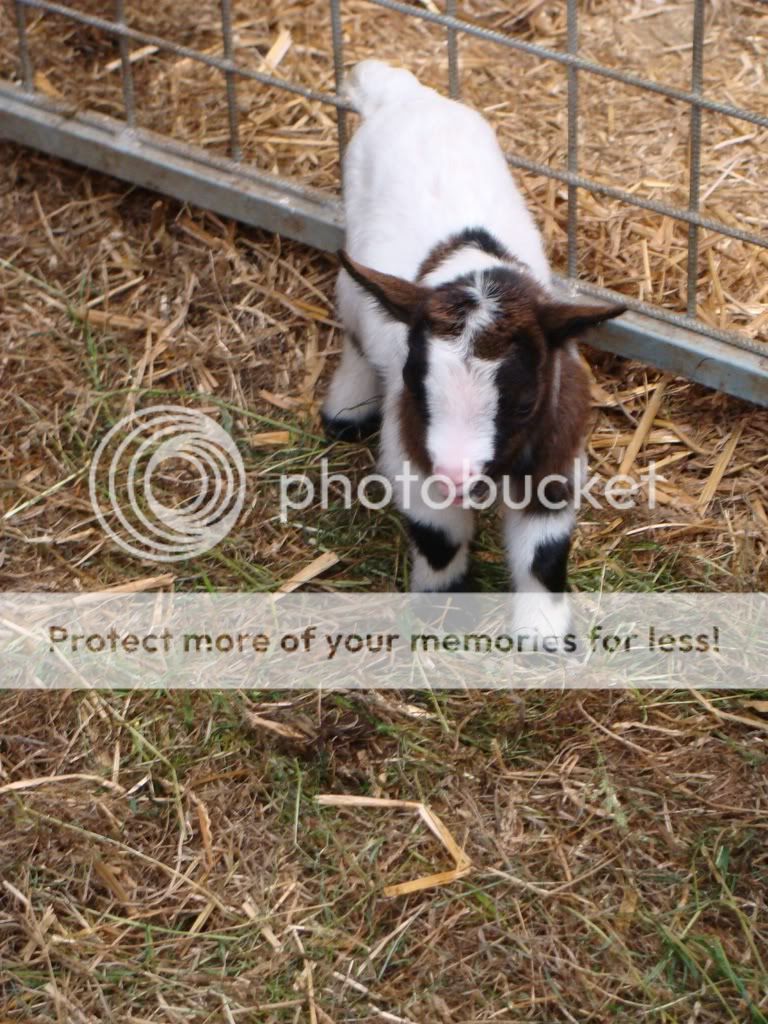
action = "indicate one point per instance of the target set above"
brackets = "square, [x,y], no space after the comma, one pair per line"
[436,826]
[427,882]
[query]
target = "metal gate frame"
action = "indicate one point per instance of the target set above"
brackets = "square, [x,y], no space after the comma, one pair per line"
[724,360]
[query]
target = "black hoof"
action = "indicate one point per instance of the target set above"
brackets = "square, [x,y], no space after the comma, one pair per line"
[339,429]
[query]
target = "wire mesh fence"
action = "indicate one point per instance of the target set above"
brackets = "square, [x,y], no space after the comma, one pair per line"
[231,184]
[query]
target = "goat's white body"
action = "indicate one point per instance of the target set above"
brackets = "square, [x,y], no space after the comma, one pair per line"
[420,168]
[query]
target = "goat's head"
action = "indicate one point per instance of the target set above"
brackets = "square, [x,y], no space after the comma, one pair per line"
[481,361]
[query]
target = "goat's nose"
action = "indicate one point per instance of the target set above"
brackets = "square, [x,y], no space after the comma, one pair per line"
[457,474]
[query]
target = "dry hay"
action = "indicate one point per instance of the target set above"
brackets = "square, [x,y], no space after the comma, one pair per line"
[162,857]
[617,846]
[114,299]
[630,139]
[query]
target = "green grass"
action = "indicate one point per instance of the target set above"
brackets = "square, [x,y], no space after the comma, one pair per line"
[492,767]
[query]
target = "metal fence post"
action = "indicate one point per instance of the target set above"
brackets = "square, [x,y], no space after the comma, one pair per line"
[573,140]
[337,39]
[126,71]
[694,153]
[27,75]
[231,78]
[454,90]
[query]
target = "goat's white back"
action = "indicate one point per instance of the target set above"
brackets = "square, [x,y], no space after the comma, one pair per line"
[420,168]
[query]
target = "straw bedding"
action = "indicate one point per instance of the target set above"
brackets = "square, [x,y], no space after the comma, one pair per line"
[162,857]
[253,317]
[630,139]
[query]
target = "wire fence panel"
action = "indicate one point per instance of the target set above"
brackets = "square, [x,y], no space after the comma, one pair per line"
[234,187]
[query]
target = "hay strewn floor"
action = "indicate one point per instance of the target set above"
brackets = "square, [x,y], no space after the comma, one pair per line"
[630,139]
[94,275]
[187,874]
[162,857]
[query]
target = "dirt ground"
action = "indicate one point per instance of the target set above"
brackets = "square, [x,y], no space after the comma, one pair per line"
[162,855]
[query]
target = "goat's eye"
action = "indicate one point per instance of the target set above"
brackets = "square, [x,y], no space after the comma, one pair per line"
[524,408]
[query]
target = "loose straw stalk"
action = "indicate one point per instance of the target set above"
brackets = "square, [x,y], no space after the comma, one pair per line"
[463,865]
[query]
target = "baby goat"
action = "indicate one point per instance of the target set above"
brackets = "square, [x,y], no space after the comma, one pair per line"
[463,353]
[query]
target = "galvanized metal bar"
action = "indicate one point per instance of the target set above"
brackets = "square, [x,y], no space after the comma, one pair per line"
[454,88]
[694,153]
[27,74]
[672,342]
[709,361]
[126,71]
[573,140]
[186,173]
[211,60]
[337,39]
[230,78]
[568,60]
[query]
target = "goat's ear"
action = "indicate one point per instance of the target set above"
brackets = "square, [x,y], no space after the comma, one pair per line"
[394,295]
[564,320]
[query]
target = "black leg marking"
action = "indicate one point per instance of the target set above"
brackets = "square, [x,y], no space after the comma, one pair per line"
[337,428]
[557,495]
[550,564]
[433,543]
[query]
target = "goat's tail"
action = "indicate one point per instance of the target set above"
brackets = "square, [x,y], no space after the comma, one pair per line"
[372,84]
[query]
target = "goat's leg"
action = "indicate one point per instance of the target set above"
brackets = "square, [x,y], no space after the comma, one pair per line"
[351,408]
[440,548]
[538,543]
[439,536]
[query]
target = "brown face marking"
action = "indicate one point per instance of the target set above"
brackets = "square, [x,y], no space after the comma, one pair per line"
[413,432]
[554,436]
[448,308]
[515,318]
